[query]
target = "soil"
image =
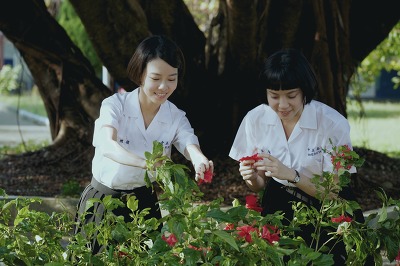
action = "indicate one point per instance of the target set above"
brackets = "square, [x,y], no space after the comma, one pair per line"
[16,178]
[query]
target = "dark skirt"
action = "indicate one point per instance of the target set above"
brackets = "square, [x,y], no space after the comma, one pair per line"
[145,196]
[278,197]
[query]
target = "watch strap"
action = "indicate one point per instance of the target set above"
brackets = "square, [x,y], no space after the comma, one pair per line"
[296,178]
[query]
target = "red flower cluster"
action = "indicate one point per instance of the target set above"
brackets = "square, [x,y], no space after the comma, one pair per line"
[269,233]
[254,157]
[208,175]
[397,259]
[244,232]
[171,240]
[341,218]
[342,158]
[251,203]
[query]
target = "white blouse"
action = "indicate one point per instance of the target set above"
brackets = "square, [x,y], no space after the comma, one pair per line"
[261,131]
[122,111]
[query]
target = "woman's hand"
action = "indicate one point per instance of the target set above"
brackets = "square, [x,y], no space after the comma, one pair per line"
[247,170]
[201,167]
[273,167]
[200,162]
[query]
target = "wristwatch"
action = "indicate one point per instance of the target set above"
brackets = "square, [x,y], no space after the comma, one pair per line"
[296,178]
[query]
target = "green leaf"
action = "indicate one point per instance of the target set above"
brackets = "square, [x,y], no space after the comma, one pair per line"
[21,215]
[382,215]
[238,213]
[120,233]
[219,215]
[227,238]
[132,203]
[191,256]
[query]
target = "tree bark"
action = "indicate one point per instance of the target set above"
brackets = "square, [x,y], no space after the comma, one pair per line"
[67,83]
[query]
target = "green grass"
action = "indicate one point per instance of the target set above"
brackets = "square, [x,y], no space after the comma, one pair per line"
[31,102]
[378,130]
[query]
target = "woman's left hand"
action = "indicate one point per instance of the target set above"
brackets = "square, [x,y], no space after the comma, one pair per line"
[202,167]
[273,167]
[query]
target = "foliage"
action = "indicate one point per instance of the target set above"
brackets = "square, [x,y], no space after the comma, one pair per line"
[386,56]
[27,146]
[71,188]
[202,12]
[204,234]
[29,237]
[9,77]
[72,24]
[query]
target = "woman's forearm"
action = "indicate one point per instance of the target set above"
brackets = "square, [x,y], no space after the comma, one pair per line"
[258,183]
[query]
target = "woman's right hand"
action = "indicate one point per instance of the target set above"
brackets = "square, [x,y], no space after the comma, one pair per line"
[247,170]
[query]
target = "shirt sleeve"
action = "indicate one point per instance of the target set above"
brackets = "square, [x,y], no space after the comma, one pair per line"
[244,143]
[184,135]
[110,112]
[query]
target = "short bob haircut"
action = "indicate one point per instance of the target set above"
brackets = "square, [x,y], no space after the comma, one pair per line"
[289,69]
[151,48]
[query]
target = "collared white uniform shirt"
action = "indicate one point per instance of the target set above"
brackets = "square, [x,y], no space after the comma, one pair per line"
[122,111]
[261,131]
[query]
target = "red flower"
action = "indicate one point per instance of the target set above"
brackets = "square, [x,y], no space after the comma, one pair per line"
[122,254]
[254,157]
[171,240]
[346,148]
[397,259]
[244,232]
[270,233]
[341,218]
[229,227]
[338,165]
[208,175]
[251,203]
[342,158]
[204,250]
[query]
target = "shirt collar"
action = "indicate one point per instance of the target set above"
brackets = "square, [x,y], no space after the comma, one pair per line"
[308,118]
[132,108]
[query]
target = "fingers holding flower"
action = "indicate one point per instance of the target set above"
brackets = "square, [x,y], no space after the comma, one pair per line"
[204,171]
[272,166]
[247,170]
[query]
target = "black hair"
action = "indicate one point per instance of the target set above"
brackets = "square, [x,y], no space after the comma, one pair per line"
[153,47]
[288,69]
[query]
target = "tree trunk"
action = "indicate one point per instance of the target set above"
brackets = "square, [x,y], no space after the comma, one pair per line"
[67,83]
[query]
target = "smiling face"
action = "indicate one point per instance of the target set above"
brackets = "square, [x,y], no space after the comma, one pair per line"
[158,83]
[288,104]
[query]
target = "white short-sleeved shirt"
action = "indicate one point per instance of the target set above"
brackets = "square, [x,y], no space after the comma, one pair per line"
[261,131]
[122,111]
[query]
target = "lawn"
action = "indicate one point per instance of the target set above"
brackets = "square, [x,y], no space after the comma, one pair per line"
[377,130]
[31,102]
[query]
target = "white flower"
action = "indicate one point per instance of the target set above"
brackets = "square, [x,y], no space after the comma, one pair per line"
[342,228]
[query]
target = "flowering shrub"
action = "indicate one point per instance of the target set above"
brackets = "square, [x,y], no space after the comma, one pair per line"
[202,234]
